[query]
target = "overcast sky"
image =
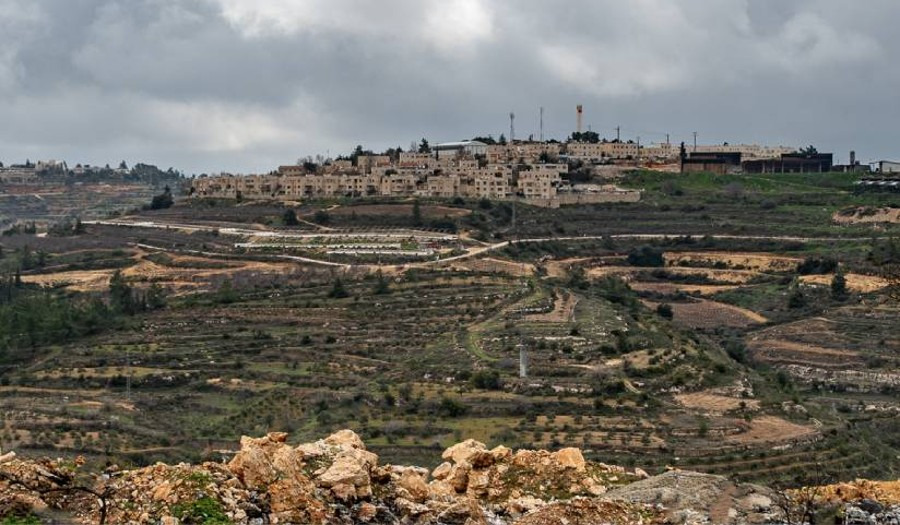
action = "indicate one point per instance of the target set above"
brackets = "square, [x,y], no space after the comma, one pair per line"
[245,85]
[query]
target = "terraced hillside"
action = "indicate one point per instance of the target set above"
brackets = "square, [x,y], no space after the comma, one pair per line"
[727,354]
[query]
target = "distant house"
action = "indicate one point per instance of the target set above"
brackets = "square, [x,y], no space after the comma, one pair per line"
[888,166]
[465,147]
[792,163]
[720,163]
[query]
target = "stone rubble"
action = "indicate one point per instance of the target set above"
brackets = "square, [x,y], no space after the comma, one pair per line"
[336,480]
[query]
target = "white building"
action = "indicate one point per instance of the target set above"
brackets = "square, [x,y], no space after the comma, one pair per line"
[888,166]
[465,147]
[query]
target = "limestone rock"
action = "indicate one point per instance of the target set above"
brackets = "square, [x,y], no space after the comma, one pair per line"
[523,504]
[459,476]
[351,468]
[441,471]
[500,453]
[441,490]
[469,451]
[571,458]
[253,465]
[415,485]
[366,512]
[346,438]
[9,456]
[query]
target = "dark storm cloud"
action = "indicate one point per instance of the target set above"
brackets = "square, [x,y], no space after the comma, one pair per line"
[242,85]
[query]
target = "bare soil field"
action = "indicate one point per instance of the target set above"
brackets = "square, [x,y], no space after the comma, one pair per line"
[765,262]
[490,264]
[781,351]
[865,215]
[767,429]
[703,313]
[559,267]
[186,273]
[563,310]
[673,288]
[855,282]
[724,276]
[428,210]
[712,403]
[851,337]
[81,281]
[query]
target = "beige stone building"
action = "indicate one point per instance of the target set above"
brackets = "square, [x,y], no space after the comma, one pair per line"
[747,151]
[593,152]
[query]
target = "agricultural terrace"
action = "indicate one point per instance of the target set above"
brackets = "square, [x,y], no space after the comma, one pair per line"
[680,330]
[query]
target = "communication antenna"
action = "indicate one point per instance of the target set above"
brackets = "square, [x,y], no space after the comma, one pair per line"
[512,127]
[618,133]
[695,142]
[542,123]
[523,361]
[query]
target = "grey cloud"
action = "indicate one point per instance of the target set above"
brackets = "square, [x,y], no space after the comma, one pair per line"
[238,85]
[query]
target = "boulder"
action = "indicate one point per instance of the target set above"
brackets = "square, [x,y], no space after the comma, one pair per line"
[351,467]
[459,476]
[345,439]
[570,458]
[442,471]
[344,491]
[414,485]
[479,481]
[465,451]
[366,512]
[440,490]
[500,453]
[9,456]
[255,465]
[523,504]
[462,512]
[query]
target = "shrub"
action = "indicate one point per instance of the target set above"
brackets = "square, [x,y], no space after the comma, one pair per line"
[30,519]
[646,256]
[487,380]
[204,511]
[322,217]
[450,407]
[665,310]
[839,285]
[816,265]
[337,290]
[290,218]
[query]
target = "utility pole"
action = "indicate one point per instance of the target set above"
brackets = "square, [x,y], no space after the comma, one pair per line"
[639,151]
[695,142]
[128,374]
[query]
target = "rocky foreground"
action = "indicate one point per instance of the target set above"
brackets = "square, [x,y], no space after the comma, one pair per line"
[336,480]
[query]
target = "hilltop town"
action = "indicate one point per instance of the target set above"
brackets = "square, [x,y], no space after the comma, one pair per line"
[545,173]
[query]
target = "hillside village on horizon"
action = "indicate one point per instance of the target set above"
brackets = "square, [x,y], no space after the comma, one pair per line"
[543,173]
